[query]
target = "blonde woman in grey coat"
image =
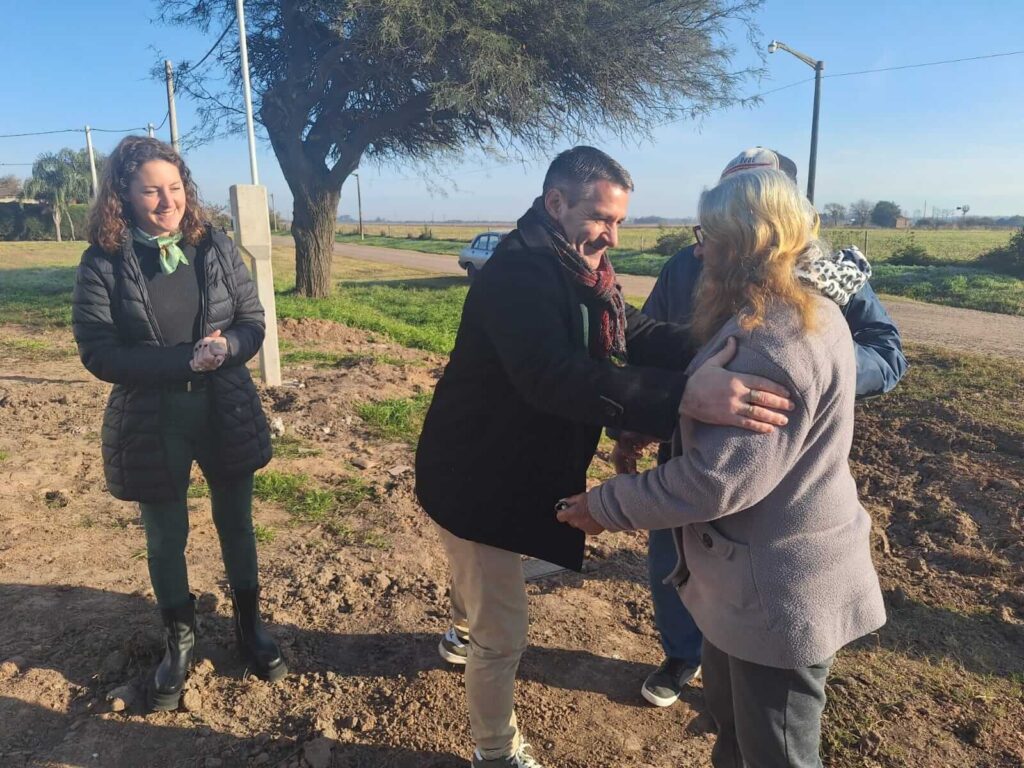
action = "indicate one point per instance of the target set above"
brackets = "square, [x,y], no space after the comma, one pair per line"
[774,558]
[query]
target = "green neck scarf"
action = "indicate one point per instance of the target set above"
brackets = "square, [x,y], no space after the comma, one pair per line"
[170,254]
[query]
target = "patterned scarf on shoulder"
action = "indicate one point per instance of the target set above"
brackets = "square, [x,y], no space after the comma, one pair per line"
[600,283]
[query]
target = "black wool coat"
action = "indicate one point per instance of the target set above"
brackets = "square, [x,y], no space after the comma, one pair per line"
[518,412]
[119,341]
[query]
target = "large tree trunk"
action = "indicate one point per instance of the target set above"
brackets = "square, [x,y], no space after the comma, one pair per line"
[56,221]
[313,221]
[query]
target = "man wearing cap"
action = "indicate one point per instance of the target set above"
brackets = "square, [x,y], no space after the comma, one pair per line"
[880,366]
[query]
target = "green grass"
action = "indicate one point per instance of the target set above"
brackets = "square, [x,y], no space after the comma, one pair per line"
[288,447]
[446,247]
[986,388]
[953,286]
[630,262]
[198,489]
[419,313]
[307,502]
[947,245]
[38,297]
[399,419]
[264,533]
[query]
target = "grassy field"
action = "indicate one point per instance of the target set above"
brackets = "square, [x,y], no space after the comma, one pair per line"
[952,286]
[956,281]
[953,245]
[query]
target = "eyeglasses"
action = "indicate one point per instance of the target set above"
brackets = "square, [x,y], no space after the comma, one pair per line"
[698,234]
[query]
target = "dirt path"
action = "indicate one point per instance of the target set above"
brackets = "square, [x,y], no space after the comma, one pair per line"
[960,329]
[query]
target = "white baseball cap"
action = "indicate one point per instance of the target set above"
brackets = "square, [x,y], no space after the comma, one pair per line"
[758,157]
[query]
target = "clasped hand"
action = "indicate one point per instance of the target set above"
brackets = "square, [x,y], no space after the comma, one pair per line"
[209,353]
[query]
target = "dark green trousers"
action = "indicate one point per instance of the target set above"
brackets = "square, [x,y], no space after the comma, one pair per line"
[187,433]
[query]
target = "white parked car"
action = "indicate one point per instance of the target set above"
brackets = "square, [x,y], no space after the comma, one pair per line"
[473,257]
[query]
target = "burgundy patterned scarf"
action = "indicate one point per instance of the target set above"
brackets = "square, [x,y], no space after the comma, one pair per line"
[600,283]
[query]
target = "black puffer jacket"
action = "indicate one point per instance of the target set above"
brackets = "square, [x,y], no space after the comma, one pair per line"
[119,341]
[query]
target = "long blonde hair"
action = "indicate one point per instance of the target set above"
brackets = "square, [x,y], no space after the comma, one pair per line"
[759,225]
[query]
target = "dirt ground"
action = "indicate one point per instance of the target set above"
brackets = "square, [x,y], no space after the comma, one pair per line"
[359,614]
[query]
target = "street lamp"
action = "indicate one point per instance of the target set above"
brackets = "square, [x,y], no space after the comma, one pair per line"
[818,67]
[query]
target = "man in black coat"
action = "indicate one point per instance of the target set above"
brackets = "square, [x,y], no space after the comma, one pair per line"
[540,365]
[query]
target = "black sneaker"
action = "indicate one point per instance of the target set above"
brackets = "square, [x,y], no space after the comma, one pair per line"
[454,647]
[663,686]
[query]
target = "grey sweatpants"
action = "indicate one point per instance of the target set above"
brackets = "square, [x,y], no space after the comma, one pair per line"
[766,717]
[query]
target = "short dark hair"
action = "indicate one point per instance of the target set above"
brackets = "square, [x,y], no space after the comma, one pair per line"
[575,169]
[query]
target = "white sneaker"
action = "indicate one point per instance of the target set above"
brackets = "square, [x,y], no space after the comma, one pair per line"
[521,759]
[454,648]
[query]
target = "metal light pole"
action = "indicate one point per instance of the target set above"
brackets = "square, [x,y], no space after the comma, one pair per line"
[246,95]
[359,198]
[252,225]
[818,67]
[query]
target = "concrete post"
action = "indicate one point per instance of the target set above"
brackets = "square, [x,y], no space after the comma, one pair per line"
[252,236]
[92,162]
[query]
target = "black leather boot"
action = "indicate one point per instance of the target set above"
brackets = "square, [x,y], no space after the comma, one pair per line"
[258,649]
[180,637]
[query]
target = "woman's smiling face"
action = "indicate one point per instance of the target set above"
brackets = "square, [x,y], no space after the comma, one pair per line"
[157,198]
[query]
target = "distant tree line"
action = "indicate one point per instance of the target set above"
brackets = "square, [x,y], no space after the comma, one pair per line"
[884,213]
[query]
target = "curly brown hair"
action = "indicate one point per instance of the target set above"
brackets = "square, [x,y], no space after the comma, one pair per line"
[110,218]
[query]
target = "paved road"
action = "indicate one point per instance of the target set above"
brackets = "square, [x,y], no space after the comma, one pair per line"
[960,329]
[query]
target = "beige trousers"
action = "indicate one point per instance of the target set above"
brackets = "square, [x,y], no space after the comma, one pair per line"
[489,600]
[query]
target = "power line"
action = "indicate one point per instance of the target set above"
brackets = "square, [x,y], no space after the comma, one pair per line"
[926,64]
[41,133]
[120,130]
[781,88]
[887,69]
[79,130]
[228,28]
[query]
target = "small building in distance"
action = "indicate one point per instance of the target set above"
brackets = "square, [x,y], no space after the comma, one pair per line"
[902,222]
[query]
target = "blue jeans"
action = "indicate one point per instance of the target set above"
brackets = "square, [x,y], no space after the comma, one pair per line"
[680,637]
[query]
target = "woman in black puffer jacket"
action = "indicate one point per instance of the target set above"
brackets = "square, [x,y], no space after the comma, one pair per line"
[165,310]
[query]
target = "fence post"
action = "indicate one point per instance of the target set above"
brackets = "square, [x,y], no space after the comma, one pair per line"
[865,241]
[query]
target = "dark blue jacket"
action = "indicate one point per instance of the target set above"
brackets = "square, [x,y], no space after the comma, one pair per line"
[880,360]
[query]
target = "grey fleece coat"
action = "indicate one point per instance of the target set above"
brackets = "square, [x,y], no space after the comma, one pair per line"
[775,563]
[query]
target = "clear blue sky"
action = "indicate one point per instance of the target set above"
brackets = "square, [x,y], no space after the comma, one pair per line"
[946,135]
